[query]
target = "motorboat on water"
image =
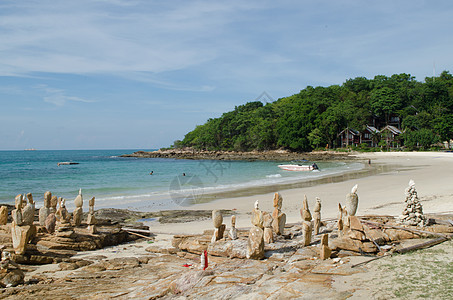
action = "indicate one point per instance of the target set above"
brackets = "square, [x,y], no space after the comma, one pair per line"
[299,167]
[67,163]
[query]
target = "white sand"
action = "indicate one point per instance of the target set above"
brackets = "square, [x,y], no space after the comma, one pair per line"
[381,194]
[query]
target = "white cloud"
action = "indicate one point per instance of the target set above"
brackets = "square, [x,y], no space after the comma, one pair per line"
[58,96]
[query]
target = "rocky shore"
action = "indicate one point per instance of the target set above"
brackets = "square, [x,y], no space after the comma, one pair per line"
[275,155]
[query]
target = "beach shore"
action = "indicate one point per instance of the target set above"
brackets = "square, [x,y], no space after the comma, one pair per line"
[381,193]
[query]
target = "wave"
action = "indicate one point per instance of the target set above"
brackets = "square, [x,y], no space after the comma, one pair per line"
[274,176]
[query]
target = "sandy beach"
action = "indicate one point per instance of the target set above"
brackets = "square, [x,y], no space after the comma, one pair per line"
[381,194]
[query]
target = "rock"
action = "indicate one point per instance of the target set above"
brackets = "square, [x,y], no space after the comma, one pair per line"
[218,233]
[255,243]
[78,201]
[268,235]
[44,212]
[53,204]
[307,232]
[257,218]
[77,216]
[50,223]
[278,201]
[13,278]
[347,243]
[354,223]
[217,218]
[305,211]
[3,215]
[317,216]
[352,201]
[28,213]
[325,251]
[233,231]
[21,236]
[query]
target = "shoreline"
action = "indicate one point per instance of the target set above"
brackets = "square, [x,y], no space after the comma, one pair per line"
[381,193]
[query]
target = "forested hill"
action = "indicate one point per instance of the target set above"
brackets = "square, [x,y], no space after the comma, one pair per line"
[315,116]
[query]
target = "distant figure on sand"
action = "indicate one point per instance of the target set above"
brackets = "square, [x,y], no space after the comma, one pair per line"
[369,161]
[151,173]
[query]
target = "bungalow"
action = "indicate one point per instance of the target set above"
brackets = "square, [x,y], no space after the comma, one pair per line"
[349,137]
[390,134]
[370,136]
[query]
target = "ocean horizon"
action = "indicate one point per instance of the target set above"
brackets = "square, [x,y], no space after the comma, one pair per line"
[125,182]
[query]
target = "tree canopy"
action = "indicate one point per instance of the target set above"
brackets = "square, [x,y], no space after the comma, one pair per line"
[315,116]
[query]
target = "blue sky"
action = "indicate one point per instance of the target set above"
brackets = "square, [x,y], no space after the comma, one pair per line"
[108,74]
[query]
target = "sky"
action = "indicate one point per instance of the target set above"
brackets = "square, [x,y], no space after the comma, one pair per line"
[140,74]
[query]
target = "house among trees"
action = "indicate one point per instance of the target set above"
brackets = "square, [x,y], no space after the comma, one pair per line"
[390,134]
[370,136]
[349,137]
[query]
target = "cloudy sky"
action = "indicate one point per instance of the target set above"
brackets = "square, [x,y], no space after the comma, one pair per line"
[132,74]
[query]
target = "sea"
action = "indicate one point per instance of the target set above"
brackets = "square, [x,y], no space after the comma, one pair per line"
[125,182]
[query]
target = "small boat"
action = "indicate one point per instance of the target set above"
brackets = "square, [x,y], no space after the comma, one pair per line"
[67,163]
[298,167]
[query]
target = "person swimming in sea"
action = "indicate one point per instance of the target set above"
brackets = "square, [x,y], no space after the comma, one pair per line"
[151,173]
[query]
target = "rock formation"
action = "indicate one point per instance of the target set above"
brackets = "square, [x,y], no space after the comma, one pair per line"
[21,233]
[51,223]
[3,215]
[10,272]
[255,241]
[62,214]
[53,204]
[91,220]
[305,211]
[268,231]
[413,212]
[233,231]
[307,226]
[78,211]
[279,218]
[325,251]
[45,210]
[29,211]
[352,201]
[217,219]
[317,216]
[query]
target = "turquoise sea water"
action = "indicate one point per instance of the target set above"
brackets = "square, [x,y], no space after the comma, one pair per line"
[125,182]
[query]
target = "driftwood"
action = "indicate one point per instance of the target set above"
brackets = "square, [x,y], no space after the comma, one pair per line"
[132,231]
[410,248]
[136,230]
[423,245]
[413,230]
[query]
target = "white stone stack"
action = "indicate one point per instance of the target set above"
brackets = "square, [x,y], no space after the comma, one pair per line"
[413,212]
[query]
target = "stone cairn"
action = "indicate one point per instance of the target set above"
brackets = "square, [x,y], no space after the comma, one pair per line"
[352,201]
[91,220]
[307,226]
[78,211]
[217,218]
[279,218]
[317,216]
[233,231]
[62,215]
[22,229]
[255,241]
[3,215]
[325,251]
[45,210]
[413,212]
[10,272]
[268,231]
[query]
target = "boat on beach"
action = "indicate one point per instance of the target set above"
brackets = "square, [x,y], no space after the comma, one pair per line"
[298,167]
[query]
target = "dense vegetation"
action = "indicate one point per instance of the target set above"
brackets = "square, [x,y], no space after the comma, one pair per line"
[315,116]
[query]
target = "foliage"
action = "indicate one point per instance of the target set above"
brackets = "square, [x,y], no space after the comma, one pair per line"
[314,117]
